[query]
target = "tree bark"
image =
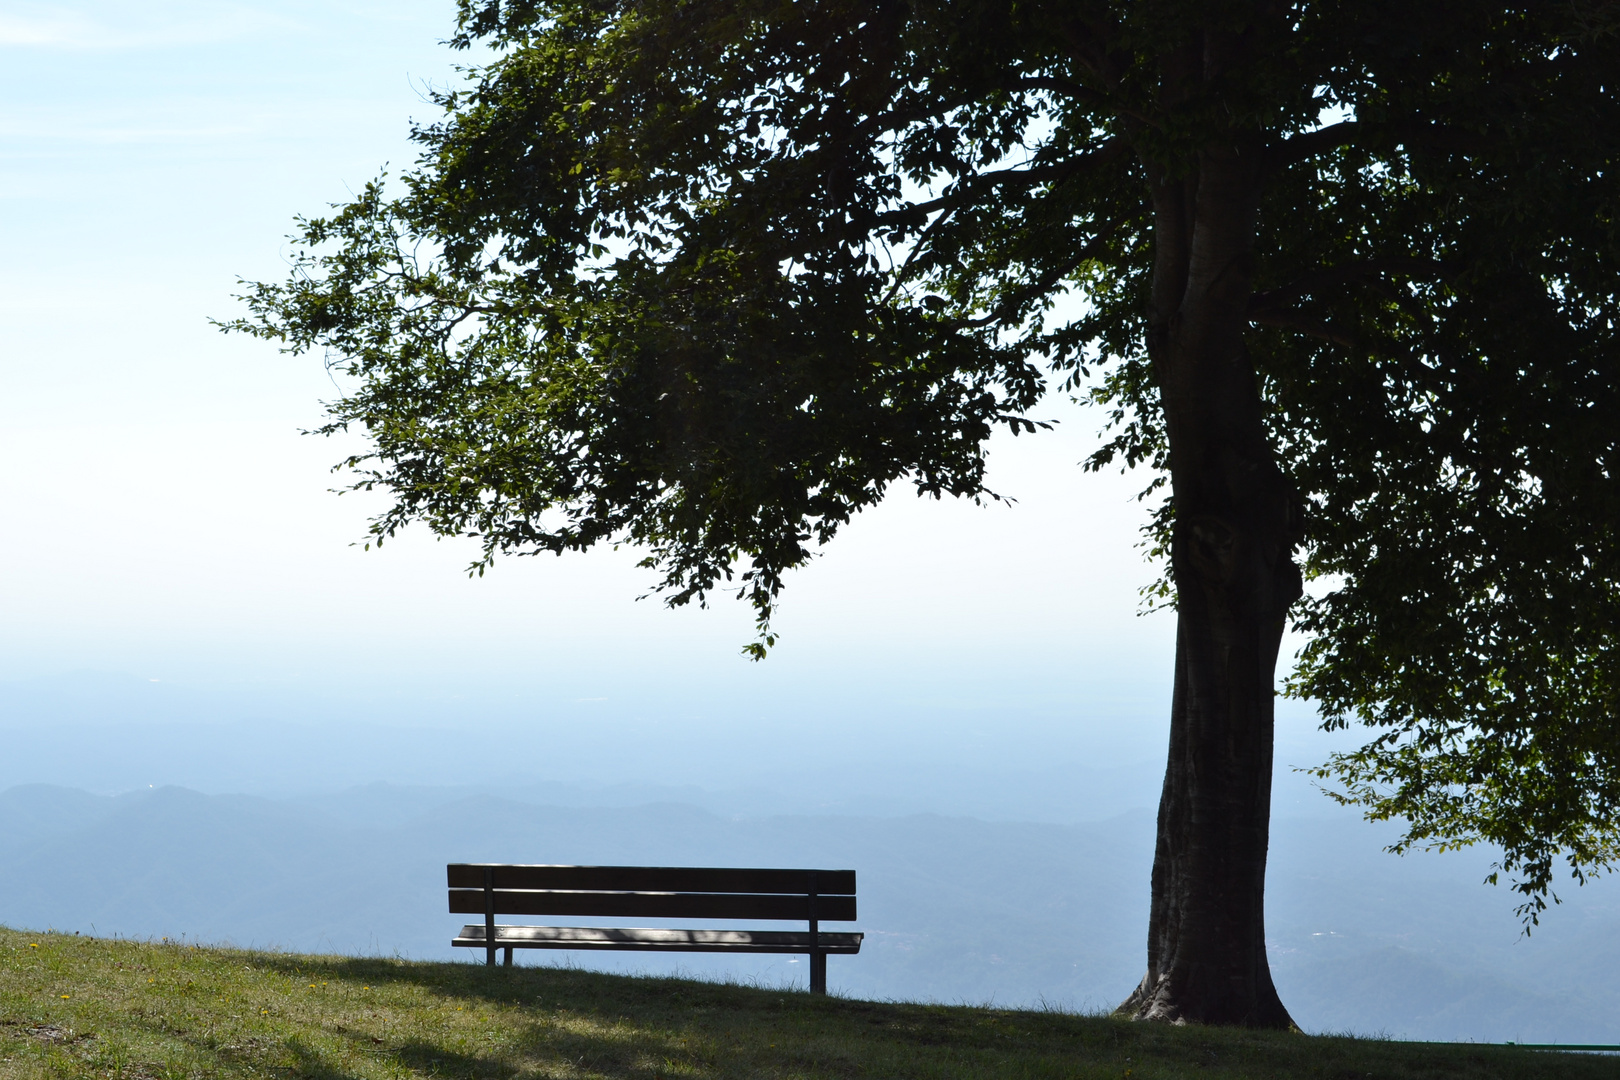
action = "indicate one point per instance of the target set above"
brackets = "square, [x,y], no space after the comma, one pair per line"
[1237,520]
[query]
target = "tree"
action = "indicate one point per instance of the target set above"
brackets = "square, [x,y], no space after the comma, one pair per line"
[711,278]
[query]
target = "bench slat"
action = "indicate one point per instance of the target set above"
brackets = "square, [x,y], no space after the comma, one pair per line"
[587,938]
[653,905]
[652,879]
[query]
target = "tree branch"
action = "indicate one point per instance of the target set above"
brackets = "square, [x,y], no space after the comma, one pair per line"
[1079,91]
[911,256]
[1352,273]
[1044,283]
[1413,133]
[970,187]
[1294,320]
[1293,150]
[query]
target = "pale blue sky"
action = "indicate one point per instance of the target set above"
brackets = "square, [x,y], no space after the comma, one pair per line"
[168,522]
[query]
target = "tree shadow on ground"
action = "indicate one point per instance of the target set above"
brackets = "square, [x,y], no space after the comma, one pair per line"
[531,1022]
[564,1021]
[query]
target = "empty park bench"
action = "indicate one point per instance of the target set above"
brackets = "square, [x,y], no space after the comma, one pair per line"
[656,892]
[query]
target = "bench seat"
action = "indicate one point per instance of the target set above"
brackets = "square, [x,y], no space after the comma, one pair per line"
[623,893]
[607,938]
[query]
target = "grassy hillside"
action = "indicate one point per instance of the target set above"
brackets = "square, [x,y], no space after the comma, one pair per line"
[82,1007]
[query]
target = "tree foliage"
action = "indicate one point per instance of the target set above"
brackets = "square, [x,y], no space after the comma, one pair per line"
[711,278]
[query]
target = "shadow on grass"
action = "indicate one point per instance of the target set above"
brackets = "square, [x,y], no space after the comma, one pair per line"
[581,1057]
[309,1063]
[176,1010]
[559,1021]
[501,985]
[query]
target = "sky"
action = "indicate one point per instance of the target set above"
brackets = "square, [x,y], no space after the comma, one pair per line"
[170,527]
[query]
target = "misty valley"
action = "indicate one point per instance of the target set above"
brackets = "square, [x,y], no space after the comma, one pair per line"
[955,909]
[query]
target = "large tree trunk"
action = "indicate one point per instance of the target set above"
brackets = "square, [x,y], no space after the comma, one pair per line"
[1236,524]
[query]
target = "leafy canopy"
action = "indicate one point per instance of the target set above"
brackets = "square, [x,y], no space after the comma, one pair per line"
[710,278]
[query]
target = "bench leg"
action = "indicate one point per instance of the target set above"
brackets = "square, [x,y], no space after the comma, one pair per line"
[818,973]
[509,956]
[489,916]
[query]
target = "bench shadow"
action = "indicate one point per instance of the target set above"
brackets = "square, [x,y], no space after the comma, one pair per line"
[312,1065]
[518,985]
[631,1059]
[578,1023]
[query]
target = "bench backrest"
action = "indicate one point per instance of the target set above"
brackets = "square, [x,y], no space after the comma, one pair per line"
[654,892]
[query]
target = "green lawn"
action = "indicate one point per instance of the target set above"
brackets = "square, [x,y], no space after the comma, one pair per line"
[84,1007]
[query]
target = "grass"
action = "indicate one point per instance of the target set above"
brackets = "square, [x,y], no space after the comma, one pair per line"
[74,1006]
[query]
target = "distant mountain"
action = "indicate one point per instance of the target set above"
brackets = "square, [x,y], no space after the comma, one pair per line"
[111,733]
[955,909]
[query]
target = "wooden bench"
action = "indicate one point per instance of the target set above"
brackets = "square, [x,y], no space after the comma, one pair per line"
[655,892]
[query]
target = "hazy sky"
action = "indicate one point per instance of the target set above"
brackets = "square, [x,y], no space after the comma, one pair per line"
[167,521]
